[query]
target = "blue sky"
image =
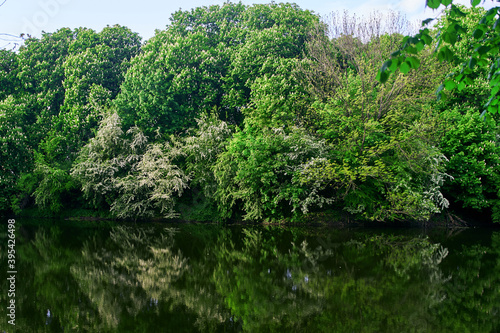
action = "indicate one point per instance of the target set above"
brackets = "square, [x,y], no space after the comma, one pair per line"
[144,16]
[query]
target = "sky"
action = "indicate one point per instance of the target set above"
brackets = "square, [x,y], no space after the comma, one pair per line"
[145,16]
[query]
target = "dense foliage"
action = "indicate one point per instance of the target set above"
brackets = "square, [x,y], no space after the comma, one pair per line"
[262,112]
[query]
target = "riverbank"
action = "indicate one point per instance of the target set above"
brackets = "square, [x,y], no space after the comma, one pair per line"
[328,218]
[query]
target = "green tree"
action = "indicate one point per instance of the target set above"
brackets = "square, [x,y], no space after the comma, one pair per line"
[15,152]
[198,155]
[469,143]
[8,73]
[472,146]
[262,78]
[85,74]
[209,58]
[384,164]
[41,73]
[259,174]
[180,71]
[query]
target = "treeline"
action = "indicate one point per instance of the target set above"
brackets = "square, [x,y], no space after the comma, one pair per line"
[261,112]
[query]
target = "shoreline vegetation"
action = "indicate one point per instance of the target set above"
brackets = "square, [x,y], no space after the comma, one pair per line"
[239,113]
[320,219]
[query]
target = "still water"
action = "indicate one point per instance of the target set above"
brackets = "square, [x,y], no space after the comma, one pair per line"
[110,277]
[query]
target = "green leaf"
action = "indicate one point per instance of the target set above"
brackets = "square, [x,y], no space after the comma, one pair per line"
[452,27]
[414,62]
[394,65]
[382,77]
[404,68]
[420,46]
[445,54]
[495,90]
[492,101]
[483,49]
[434,4]
[450,37]
[413,40]
[411,50]
[461,86]
[386,64]
[457,12]
[446,2]
[450,84]
[488,17]
[472,62]
[427,39]
[474,3]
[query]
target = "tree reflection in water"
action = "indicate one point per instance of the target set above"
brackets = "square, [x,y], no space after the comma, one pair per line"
[472,302]
[211,278]
[378,283]
[137,270]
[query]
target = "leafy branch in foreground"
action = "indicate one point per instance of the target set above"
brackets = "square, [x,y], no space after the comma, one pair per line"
[483,47]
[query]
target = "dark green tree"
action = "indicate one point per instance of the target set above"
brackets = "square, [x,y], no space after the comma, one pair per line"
[209,58]
[86,71]
[471,145]
[8,73]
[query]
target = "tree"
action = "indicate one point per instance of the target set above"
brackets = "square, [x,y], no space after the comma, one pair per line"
[133,178]
[259,174]
[209,59]
[262,78]
[15,152]
[199,152]
[466,39]
[68,80]
[384,164]
[8,73]
[180,71]
[482,51]
[471,145]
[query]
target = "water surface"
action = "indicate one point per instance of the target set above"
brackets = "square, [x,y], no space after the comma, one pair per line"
[109,277]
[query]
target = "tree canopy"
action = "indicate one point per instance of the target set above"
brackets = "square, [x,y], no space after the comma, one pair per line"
[262,112]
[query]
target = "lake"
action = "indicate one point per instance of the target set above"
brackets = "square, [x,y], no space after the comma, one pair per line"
[82,276]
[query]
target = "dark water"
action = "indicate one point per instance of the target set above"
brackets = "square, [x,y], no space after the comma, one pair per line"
[105,277]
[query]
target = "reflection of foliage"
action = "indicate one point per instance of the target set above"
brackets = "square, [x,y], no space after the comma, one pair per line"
[138,270]
[204,278]
[354,284]
[474,291]
[112,276]
[45,263]
[257,285]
